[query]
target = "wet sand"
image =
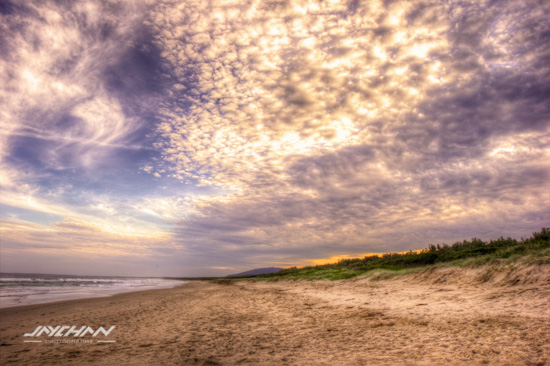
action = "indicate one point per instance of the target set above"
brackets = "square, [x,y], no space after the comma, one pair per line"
[447,316]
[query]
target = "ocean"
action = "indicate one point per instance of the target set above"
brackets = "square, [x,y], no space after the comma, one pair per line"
[25,289]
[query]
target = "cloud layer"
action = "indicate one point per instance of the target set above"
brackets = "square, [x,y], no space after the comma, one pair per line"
[241,134]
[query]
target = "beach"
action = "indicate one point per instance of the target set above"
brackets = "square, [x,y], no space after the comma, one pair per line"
[442,316]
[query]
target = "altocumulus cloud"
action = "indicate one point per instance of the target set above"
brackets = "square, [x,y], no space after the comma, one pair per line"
[272,132]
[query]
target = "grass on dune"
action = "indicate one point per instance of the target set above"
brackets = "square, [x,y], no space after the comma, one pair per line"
[474,253]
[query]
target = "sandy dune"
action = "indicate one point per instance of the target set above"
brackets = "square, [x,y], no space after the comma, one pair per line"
[446,316]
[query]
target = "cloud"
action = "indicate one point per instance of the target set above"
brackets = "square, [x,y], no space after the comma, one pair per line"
[334,126]
[242,134]
[75,92]
[55,89]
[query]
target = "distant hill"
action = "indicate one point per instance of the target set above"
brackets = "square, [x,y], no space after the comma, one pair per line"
[257,271]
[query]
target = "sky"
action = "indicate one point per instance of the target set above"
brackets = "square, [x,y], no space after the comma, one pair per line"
[208,137]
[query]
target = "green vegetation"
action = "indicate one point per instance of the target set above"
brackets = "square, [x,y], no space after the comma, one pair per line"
[466,253]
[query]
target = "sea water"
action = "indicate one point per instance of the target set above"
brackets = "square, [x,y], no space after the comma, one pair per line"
[25,289]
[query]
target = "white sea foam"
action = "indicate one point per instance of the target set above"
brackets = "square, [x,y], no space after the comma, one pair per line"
[26,289]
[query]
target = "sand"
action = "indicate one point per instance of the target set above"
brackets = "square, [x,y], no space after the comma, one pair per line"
[445,316]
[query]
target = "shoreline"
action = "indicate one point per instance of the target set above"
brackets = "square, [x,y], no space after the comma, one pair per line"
[425,319]
[83,299]
[35,294]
